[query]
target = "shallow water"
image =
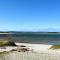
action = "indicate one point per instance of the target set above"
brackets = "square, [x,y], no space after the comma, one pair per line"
[29,56]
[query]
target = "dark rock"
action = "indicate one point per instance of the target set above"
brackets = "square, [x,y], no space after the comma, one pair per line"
[22,46]
[13,50]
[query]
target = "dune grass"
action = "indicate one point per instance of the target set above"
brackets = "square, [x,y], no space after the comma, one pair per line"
[6,43]
[55,46]
[29,56]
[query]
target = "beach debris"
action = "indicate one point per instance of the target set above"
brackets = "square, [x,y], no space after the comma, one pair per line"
[22,46]
[13,50]
[21,49]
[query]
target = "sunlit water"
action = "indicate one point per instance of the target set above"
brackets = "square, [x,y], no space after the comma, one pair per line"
[29,56]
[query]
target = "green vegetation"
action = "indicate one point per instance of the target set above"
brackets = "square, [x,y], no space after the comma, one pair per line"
[55,47]
[7,43]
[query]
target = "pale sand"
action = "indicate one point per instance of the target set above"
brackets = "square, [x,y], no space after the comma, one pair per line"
[7,49]
[35,47]
[42,48]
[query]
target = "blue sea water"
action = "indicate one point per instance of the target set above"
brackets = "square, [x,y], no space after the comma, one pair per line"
[34,38]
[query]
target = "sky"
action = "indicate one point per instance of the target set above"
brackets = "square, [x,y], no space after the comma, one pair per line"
[29,15]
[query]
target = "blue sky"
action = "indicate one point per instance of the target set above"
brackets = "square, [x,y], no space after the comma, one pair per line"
[29,15]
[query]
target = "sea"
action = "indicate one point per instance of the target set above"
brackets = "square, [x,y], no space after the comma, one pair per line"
[36,38]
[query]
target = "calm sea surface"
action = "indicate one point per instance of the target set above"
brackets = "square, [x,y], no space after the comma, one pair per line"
[34,38]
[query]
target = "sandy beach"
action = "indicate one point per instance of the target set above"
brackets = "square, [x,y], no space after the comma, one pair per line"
[35,47]
[37,52]
[42,48]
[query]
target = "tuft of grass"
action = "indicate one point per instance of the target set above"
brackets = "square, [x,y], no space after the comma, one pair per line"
[6,43]
[55,47]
